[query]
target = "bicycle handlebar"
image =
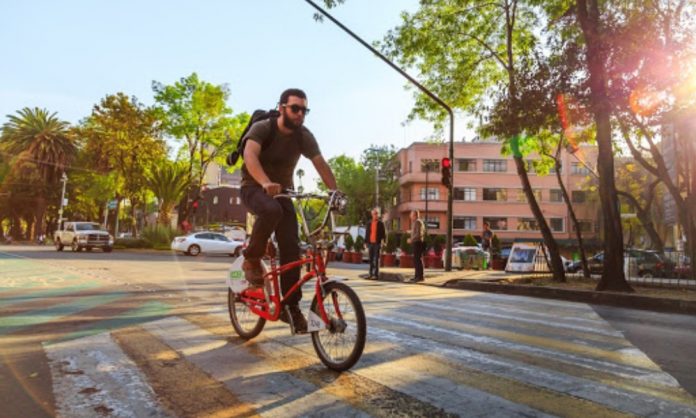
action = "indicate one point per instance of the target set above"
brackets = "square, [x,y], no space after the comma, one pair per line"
[337,203]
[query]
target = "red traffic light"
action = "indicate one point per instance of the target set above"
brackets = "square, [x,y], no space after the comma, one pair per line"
[446,163]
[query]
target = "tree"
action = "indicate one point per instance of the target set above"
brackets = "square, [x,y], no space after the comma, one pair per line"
[124,136]
[381,162]
[196,112]
[42,147]
[169,182]
[357,183]
[468,52]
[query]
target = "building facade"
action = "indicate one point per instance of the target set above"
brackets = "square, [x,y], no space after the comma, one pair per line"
[221,201]
[488,189]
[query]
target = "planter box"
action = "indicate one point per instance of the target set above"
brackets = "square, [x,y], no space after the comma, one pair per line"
[498,264]
[331,256]
[388,260]
[435,262]
[356,257]
[406,261]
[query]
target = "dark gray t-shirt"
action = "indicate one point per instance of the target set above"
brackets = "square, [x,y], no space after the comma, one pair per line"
[280,158]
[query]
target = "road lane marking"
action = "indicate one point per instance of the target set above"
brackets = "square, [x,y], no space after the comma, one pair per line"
[181,386]
[39,295]
[13,323]
[93,377]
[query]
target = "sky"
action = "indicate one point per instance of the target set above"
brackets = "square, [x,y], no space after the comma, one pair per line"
[65,56]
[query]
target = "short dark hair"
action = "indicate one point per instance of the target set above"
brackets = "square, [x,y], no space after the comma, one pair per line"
[292,92]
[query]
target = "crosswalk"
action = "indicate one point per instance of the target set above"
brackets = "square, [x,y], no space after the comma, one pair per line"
[430,352]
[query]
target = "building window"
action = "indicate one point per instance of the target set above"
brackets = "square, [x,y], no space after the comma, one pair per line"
[433,222]
[530,167]
[464,222]
[578,196]
[552,169]
[522,197]
[432,192]
[466,165]
[497,224]
[585,226]
[557,224]
[579,169]
[410,166]
[495,166]
[465,193]
[231,200]
[495,194]
[527,224]
[430,165]
[556,195]
[215,200]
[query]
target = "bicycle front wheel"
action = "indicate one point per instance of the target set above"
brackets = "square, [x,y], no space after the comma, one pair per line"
[341,343]
[245,322]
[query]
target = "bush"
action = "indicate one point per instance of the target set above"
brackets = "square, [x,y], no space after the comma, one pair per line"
[348,242]
[392,242]
[359,244]
[159,235]
[495,245]
[405,245]
[470,241]
[440,241]
[121,243]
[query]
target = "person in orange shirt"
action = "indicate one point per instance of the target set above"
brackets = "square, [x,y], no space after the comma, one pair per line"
[374,235]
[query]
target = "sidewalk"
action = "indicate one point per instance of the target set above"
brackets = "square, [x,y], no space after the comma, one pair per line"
[501,282]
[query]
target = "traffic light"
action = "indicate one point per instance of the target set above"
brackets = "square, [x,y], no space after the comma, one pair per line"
[446,172]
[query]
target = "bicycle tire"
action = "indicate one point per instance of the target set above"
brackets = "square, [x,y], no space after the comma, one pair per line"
[245,323]
[353,320]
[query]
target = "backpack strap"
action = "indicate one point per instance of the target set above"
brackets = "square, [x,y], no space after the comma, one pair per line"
[297,135]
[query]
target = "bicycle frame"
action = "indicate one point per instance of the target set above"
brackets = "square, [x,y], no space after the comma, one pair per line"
[269,302]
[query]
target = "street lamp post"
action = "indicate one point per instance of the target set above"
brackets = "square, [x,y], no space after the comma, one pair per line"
[377,187]
[448,251]
[64,179]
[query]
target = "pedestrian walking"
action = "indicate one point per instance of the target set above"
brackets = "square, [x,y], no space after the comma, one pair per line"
[374,234]
[417,241]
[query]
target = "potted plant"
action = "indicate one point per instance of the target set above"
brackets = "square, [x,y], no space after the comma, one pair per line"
[358,246]
[497,263]
[388,257]
[438,247]
[406,258]
[348,243]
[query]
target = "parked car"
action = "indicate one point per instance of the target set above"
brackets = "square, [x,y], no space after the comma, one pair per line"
[207,243]
[645,263]
[83,235]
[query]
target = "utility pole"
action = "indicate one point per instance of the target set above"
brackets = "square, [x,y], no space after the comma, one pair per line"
[448,251]
[377,187]
[64,179]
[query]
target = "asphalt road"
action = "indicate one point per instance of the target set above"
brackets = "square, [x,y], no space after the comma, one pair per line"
[146,334]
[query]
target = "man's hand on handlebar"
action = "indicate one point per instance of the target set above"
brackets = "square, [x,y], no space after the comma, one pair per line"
[271,189]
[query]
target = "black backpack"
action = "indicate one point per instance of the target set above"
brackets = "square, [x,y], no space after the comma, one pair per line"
[258,116]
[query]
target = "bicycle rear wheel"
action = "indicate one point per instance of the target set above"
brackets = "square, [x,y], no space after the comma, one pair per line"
[245,322]
[341,343]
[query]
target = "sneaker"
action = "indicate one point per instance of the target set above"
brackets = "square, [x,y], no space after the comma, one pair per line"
[298,320]
[253,272]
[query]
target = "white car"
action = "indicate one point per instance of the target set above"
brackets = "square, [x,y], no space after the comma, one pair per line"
[208,243]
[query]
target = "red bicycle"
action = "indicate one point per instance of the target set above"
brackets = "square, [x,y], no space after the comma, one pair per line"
[336,319]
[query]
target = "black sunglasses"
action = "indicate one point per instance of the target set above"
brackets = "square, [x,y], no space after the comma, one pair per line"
[297,108]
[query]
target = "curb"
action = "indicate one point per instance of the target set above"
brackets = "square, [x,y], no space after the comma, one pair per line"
[623,300]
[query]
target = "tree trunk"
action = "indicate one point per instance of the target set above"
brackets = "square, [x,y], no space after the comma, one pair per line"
[643,214]
[613,277]
[549,240]
[571,212]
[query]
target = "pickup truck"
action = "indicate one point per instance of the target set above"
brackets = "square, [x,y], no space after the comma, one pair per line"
[79,235]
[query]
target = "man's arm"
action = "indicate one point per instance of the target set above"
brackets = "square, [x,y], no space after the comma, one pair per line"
[252,150]
[324,172]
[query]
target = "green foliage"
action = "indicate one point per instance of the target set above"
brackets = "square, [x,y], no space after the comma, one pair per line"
[348,242]
[392,242]
[169,182]
[469,241]
[359,244]
[159,235]
[439,244]
[358,185]
[404,244]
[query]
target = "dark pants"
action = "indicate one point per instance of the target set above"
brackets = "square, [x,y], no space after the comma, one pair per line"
[274,215]
[374,259]
[418,248]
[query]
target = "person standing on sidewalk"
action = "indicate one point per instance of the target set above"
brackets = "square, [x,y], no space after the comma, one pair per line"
[374,234]
[417,241]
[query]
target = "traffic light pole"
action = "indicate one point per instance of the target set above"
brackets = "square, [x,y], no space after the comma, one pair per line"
[448,250]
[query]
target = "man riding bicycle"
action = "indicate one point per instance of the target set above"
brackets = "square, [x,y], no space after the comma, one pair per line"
[270,156]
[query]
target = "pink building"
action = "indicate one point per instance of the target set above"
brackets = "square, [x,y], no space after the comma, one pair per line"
[488,189]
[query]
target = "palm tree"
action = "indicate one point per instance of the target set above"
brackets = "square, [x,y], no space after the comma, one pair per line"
[169,181]
[40,142]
